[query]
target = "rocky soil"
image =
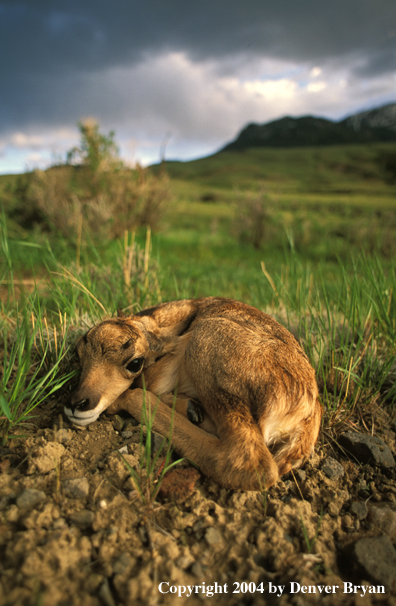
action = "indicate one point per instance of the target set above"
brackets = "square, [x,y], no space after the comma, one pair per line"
[73,530]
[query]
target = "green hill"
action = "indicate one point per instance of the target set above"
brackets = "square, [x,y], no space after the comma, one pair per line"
[367,171]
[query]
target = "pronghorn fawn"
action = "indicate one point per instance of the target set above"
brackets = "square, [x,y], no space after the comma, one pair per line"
[245,395]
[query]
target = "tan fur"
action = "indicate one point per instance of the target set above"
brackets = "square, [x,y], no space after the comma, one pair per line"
[250,376]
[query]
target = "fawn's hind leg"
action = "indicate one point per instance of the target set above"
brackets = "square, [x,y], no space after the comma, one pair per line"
[300,444]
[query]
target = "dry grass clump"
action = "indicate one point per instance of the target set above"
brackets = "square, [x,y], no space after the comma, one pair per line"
[254,223]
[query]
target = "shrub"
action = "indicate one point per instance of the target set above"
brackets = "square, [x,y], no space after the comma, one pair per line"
[94,192]
[254,221]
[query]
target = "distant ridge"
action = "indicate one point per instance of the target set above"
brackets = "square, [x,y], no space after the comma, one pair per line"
[376,125]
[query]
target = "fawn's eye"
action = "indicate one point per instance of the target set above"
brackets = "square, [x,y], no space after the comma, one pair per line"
[135,365]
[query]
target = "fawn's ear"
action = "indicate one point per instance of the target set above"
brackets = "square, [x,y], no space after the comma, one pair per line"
[155,343]
[120,314]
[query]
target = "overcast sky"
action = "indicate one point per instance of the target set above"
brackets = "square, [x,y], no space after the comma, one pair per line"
[187,72]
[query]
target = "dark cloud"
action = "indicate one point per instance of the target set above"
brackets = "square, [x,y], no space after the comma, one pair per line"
[57,56]
[48,36]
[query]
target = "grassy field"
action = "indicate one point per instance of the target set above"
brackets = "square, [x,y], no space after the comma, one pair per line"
[307,234]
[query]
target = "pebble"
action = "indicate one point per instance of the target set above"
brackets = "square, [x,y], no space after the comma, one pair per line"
[124,563]
[377,557]
[197,571]
[83,519]
[367,449]
[301,475]
[198,525]
[347,521]
[127,434]
[76,488]
[63,436]
[158,443]
[29,498]
[359,509]
[12,514]
[334,509]
[383,516]
[118,423]
[213,537]
[45,458]
[332,468]
[179,484]
[105,594]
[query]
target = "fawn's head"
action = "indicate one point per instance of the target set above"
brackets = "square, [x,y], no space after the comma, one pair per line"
[112,355]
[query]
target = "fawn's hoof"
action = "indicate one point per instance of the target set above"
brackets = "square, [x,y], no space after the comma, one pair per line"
[194,412]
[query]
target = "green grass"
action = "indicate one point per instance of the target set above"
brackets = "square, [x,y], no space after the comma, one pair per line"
[33,350]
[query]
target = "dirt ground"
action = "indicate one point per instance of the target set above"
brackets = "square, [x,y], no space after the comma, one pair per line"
[74,532]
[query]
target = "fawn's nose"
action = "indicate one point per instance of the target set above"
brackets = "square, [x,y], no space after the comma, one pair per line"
[80,405]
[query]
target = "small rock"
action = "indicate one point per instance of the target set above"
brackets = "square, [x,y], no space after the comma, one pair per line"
[119,466]
[29,498]
[12,514]
[63,436]
[83,519]
[301,475]
[367,449]
[170,551]
[123,449]
[106,595]
[118,423]
[334,509]
[158,443]
[359,509]
[124,564]
[332,468]
[377,557]
[77,488]
[213,537]
[139,433]
[127,434]
[179,483]
[45,458]
[198,525]
[383,516]
[197,571]
[347,521]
